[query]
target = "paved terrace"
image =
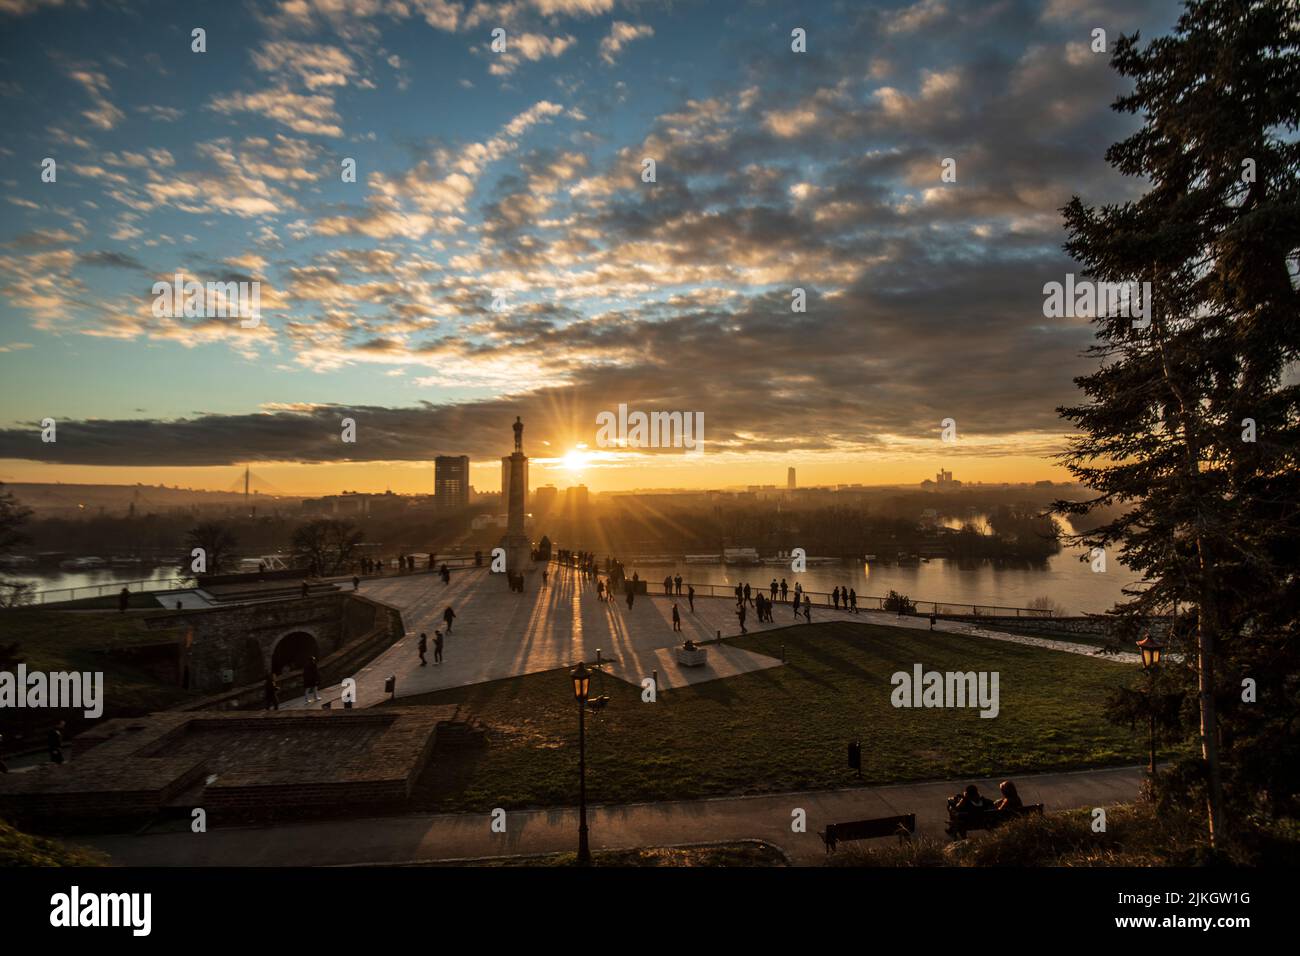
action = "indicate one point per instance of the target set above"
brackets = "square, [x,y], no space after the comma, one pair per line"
[498,633]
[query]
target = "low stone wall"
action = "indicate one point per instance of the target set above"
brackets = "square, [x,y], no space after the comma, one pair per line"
[1063,626]
[236,766]
[1091,625]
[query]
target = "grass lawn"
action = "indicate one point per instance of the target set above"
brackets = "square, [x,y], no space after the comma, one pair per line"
[784,728]
[78,641]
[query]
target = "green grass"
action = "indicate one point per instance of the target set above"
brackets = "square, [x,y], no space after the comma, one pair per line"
[784,728]
[76,641]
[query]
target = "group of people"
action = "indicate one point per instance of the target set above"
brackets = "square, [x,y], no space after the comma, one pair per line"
[971,800]
[310,686]
[406,563]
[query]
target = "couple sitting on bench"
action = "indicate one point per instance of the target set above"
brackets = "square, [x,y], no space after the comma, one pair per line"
[970,810]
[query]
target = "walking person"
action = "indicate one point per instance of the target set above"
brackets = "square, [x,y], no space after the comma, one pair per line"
[271,692]
[449,615]
[310,681]
[785,590]
[853,600]
[748,599]
[690,596]
[677,619]
[631,596]
[807,609]
[437,647]
[54,742]
[422,647]
[835,596]
[740,613]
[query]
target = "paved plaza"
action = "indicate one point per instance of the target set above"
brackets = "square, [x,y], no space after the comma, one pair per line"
[498,633]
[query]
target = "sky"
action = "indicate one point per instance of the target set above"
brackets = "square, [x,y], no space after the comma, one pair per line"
[500,252]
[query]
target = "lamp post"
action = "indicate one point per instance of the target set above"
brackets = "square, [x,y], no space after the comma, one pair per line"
[581,686]
[1151,648]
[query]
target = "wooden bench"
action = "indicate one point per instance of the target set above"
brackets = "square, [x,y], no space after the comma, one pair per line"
[959,824]
[901,826]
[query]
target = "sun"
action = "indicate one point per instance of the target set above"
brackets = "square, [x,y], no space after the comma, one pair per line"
[576,459]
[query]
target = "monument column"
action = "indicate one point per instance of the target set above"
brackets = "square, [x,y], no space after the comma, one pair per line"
[519,556]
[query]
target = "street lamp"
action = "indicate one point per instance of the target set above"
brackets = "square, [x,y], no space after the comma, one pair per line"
[1151,648]
[581,687]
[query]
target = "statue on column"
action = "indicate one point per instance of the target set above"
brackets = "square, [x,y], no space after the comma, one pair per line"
[519,433]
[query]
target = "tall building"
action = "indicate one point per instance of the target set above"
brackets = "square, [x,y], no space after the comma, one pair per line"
[505,478]
[451,482]
[789,479]
[544,498]
[576,497]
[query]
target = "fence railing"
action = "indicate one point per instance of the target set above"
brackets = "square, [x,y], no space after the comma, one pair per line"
[58,595]
[81,591]
[865,602]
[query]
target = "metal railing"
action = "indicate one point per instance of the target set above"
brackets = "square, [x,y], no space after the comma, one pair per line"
[58,595]
[865,602]
[825,599]
[82,591]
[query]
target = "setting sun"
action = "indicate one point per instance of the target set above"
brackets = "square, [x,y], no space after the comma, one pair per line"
[577,459]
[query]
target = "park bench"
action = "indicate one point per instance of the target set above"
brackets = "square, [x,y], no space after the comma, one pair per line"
[901,826]
[959,824]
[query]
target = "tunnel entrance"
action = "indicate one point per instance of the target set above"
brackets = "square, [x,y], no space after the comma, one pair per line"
[292,652]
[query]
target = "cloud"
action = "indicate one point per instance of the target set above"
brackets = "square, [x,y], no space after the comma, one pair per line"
[315,65]
[526,46]
[313,114]
[104,115]
[620,35]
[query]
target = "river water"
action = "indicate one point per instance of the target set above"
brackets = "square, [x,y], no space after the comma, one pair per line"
[1065,579]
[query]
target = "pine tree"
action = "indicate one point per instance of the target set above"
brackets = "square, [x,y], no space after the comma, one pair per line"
[1209,517]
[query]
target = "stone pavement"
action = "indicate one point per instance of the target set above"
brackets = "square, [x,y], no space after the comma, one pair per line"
[430,838]
[498,633]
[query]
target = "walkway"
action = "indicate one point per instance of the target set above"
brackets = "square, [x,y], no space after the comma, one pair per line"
[430,838]
[498,633]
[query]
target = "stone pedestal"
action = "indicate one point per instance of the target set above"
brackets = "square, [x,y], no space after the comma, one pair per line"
[692,657]
[519,556]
